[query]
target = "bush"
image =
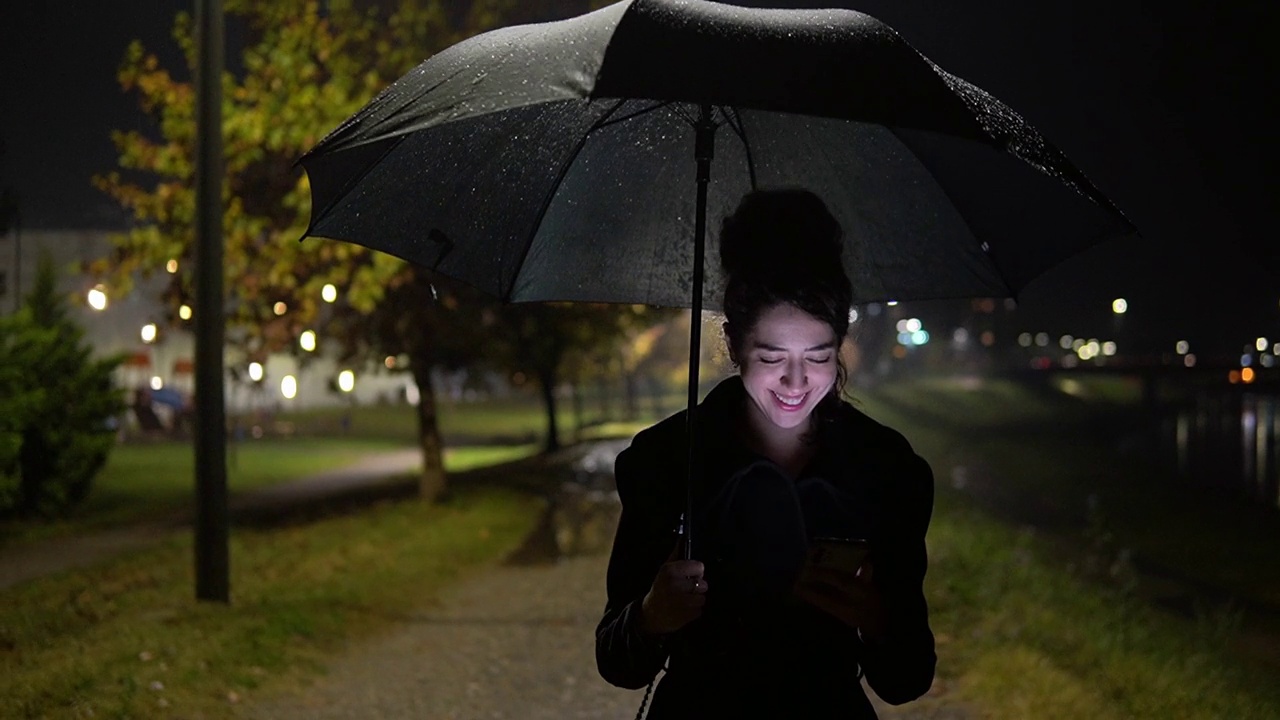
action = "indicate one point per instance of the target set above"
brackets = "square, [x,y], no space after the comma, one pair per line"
[56,406]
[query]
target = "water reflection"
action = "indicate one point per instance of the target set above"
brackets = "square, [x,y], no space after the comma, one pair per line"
[1227,442]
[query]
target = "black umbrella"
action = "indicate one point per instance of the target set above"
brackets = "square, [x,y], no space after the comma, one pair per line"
[552,161]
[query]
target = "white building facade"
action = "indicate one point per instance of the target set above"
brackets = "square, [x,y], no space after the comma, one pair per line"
[163,359]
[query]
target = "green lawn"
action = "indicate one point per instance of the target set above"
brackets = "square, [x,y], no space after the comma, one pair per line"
[1038,604]
[126,639]
[1021,634]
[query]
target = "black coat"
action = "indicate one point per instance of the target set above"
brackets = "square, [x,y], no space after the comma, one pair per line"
[801,663]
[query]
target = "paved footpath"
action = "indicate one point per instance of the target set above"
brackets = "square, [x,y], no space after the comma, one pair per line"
[512,642]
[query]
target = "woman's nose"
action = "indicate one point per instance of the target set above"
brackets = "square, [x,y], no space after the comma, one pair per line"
[793,374]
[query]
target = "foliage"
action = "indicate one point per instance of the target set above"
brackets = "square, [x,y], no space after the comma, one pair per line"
[305,68]
[56,403]
[303,71]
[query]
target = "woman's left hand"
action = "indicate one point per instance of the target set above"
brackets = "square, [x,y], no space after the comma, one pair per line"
[850,596]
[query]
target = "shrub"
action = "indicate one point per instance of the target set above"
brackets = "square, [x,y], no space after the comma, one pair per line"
[56,406]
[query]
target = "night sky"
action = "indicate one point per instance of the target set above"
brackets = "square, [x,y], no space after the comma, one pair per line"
[1162,104]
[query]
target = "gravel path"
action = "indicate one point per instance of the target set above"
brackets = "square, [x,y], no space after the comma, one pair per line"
[513,642]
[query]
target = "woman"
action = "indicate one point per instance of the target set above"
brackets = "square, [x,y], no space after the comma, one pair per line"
[753,627]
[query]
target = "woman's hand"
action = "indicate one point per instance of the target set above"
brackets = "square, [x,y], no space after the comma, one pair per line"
[676,598]
[848,595]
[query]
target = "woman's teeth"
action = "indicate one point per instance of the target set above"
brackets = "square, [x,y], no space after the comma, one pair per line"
[791,402]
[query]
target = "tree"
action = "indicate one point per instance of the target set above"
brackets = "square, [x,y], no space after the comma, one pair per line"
[540,340]
[305,68]
[56,404]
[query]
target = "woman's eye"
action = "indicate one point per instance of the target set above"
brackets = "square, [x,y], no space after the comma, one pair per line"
[770,361]
[820,360]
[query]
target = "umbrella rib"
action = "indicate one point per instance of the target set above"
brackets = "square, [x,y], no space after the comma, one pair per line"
[546,202]
[624,118]
[734,121]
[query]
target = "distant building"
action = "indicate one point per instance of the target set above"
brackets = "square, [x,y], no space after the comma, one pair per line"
[166,362]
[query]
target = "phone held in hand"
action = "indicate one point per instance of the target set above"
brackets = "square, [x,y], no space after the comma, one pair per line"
[837,553]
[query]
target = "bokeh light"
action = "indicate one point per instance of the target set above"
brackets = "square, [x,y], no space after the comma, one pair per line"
[97,298]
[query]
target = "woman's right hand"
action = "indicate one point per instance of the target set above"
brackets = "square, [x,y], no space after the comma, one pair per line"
[676,598]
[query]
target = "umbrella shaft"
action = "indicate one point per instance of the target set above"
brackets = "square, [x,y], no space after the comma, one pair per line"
[704,150]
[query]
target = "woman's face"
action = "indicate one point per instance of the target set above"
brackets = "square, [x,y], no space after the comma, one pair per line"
[788,364]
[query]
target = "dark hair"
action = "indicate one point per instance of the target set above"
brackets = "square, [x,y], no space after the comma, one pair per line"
[784,246]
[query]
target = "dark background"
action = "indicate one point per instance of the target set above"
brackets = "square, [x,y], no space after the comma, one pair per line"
[1165,106]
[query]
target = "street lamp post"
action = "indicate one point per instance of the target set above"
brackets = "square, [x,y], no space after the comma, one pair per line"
[211,535]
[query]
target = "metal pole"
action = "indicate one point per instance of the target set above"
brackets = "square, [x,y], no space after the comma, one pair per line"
[211,541]
[704,150]
[17,259]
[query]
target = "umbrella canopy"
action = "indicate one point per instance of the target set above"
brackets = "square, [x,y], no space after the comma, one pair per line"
[553,161]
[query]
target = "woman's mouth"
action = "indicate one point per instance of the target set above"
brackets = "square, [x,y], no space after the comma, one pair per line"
[790,403]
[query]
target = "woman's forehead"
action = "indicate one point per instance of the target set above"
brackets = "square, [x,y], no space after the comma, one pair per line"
[786,326]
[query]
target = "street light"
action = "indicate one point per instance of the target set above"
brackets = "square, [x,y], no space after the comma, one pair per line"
[308,341]
[1119,306]
[289,387]
[255,371]
[149,333]
[346,381]
[329,293]
[184,312]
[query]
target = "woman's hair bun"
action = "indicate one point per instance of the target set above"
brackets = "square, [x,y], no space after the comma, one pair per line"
[780,231]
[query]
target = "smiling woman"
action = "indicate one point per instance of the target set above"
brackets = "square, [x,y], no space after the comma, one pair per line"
[760,625]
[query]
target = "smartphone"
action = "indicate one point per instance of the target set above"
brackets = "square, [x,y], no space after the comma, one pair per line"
[838,553]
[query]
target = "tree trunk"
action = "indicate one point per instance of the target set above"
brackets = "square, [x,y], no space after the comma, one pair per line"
[656,389]
[632,391]
[602,388]
[579,413]
[547,379]
[433,483]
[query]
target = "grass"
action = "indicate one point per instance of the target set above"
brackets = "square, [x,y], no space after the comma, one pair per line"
[1038,608]
[154,480]
[126,640]
[510,420]
[1023,636]
[1027,627]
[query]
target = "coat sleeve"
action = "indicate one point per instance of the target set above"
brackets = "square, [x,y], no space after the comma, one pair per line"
[625,655]
[900,666]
